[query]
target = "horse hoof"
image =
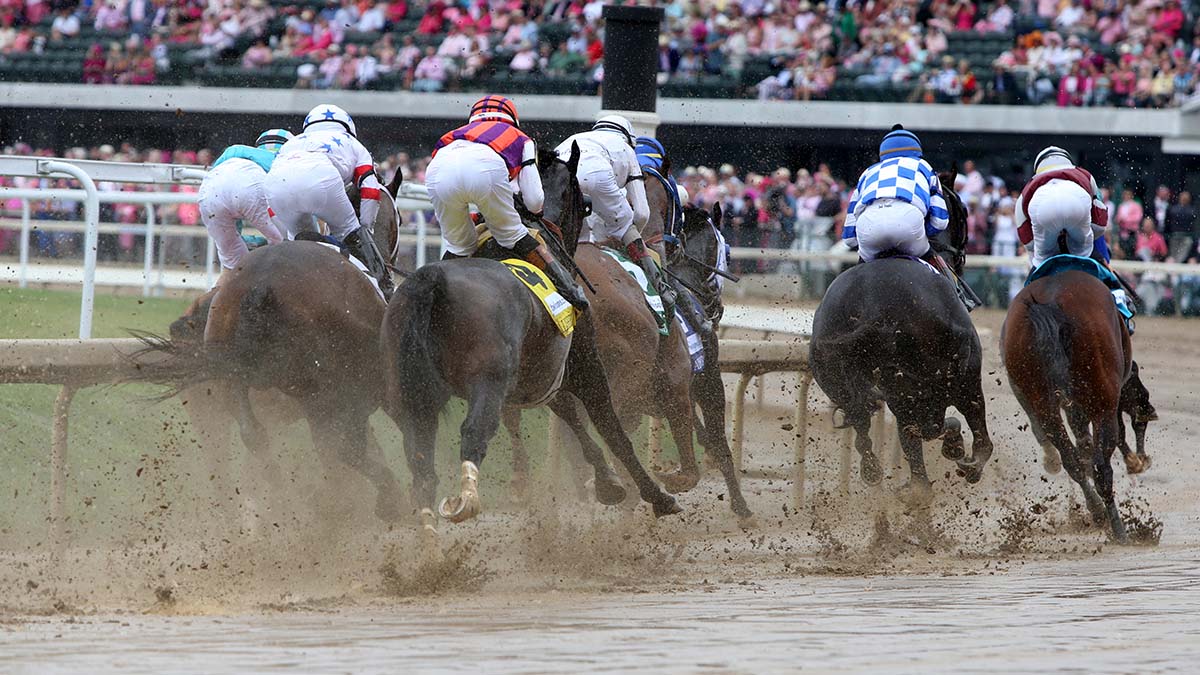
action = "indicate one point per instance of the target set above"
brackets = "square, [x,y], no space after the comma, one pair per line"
[915,494]
[1134,464]
[679,481]
[1051,462]
[667,507]
[747,522]
[1146,462]
[458,509]
[609,491]
[952,440]
[972,473]
[872,474]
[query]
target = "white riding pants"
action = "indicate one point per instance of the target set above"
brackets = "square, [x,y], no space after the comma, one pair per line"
[891,224]
[305,186]
[612,216]
[465,173]
[1056,206]
[230,192]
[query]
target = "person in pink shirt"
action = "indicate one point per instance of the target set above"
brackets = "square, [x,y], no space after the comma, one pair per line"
[1129,215]
[1151,245]
[1170,20]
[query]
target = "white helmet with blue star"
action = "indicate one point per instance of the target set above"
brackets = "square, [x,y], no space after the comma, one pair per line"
[273,139]
[331,114]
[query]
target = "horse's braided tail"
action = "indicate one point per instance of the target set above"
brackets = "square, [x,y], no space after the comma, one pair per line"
[417,369]
[1052,337]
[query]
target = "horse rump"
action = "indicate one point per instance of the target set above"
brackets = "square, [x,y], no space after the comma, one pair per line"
[414,380]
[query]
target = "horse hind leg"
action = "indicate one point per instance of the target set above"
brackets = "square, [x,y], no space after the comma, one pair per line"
[1106,440]
[677,408]
[975,410]
[609,490]
[519,484]
[917,491]
[483,420]
[1056,434]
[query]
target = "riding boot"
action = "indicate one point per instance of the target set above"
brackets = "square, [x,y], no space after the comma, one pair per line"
[447,255]
[689,307]
[964,292]
[637,253]
[539,256]
[363,248]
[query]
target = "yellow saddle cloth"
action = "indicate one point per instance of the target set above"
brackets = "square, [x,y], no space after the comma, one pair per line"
[536,281]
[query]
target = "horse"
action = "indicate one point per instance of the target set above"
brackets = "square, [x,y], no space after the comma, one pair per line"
[1135,402]
[293,329]
[895,331]
[660,382]
[1067,350]
[469,328]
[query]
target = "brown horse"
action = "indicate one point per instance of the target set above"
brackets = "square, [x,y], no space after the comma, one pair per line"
[1135,402]
[469,328]
[1067,350]
[298,325]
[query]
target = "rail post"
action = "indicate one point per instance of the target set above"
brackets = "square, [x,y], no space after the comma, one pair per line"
[91,237]
[149,257]
[800,447]
[26,226]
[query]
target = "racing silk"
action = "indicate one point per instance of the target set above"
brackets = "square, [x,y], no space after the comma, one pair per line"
[351,159]
[1075,175]
[611,148]
[507,140]
[908,179]
[261,157]
[651,162]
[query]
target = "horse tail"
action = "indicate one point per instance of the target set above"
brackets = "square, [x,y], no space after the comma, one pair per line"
[416,368]
[220,354]
[854,399]
[1052,335]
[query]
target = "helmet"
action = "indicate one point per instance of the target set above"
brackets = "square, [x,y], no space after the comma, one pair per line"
[615,123]
[495,108]
[650,147]
[273,139]
[332,114]
[900,142]
[1051,158]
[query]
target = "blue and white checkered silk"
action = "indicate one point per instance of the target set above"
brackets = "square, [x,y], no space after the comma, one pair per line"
[909,179]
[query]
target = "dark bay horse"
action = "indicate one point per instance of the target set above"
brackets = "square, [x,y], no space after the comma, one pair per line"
[469,328]
[293,332]
[1067,350]
[892,330]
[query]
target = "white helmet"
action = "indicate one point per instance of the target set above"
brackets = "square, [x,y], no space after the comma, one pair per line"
[615,123]
[333,115]
[1052,158]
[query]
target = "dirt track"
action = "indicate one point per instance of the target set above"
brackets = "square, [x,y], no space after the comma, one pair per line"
[1002,573]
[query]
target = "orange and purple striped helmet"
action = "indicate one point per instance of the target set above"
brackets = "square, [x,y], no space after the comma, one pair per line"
[494,108]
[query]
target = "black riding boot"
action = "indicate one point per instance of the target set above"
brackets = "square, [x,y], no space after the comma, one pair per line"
[965,294]
[690,309]
[447,255]
[363,248]
[539,256]
[637,252]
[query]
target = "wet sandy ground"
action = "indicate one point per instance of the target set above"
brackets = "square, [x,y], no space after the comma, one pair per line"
[998,577]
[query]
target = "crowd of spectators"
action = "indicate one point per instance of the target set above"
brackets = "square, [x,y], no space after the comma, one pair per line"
[781,209]
[1141,53]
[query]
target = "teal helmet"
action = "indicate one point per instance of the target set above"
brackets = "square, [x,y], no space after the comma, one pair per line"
[273,139]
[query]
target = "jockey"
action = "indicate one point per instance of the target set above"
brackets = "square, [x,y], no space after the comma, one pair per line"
[310,176]
[1062,197]
[898,205]
[233,190]
[485,163]
[609,174]
[652,158]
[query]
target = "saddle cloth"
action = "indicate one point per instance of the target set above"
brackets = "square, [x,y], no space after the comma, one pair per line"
[653,301]
[1066,261]
[694,345]
[538,283]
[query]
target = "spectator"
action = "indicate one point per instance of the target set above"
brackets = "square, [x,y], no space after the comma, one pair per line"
[1162,202]
[1151,247]
[257,56]
[65,25]
[374,19]
[1001,87]
[109,18]
[94,71]
[525,60]
[565,62]
[1180,226]
[430,73]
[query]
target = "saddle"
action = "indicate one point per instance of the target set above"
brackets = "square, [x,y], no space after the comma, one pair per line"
[333,243]
[1065,261]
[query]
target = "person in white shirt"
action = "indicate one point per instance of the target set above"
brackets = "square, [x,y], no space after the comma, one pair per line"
[309,178]
[610,175]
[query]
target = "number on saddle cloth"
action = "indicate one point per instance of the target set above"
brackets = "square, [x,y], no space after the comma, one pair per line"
[561,311]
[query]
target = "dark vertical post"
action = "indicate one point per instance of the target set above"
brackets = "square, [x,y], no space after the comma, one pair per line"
[630,68]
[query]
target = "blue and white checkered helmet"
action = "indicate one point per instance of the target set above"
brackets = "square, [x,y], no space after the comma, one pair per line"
[273,139]
[331,113]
